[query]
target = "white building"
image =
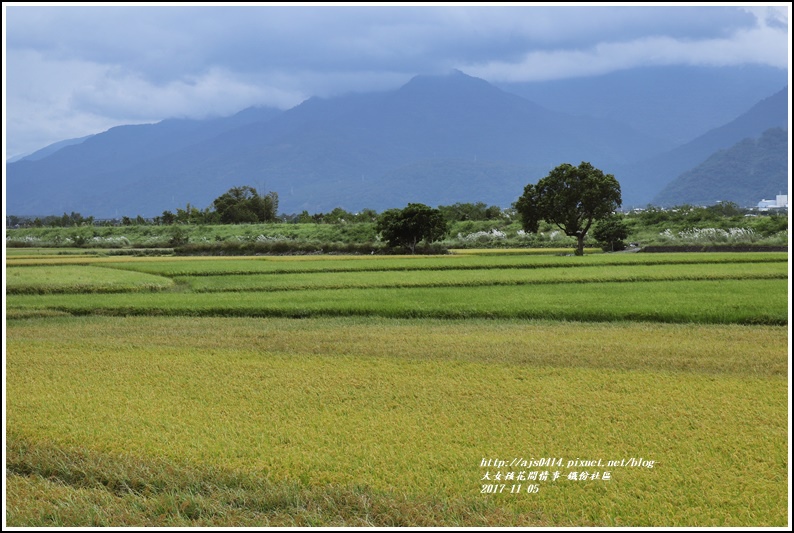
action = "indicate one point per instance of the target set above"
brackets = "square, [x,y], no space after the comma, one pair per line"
[780,202]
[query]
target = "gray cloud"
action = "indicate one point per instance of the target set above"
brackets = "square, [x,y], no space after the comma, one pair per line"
[174,41]
[76,69]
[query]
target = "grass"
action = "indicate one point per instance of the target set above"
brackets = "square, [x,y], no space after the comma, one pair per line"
[481,277]
[33,253]
[177,411]
[158,235]
[79,279]
[203,497]
[643,228]
[718,302]
[208,266]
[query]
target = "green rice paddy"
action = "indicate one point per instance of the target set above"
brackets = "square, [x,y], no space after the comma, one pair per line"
[383,391]
[79,279]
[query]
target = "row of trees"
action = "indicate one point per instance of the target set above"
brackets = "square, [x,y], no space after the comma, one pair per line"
[572,198]
[452,213]
[238,205]
[241,205]
[64,221]
[245,205]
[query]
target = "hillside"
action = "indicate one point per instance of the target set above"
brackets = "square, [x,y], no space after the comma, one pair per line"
[49,150]
[642,182]
[745,173]
[672,102]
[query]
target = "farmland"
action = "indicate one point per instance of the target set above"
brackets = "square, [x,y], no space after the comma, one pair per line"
[384,390]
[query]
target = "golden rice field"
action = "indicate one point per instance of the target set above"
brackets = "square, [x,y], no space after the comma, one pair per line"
[646,390]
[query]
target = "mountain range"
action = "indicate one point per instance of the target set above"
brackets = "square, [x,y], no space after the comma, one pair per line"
[436,140]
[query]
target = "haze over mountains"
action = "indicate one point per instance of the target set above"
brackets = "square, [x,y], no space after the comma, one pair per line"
[650,176]
[436,140]
[676,103]
[727,173]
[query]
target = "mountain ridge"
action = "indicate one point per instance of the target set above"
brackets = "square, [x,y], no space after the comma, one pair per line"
[687,101]
[744,173]
[452,138]
[653,174]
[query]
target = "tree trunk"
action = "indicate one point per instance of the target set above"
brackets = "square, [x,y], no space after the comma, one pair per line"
[580,244]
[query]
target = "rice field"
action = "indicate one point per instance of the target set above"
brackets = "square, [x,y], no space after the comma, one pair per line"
[649,390]
[79,279]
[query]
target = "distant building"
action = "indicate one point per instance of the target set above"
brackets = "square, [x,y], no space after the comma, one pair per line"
[780,202]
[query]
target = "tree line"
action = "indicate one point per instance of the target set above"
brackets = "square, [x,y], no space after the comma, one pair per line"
[241,205]
[570,197]
[575,199]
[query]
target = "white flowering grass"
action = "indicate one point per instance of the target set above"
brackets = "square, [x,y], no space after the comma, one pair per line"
[542,236]
[25,240]
[482,236]
[272,238]
[555,236]
[111,241]
[710,236]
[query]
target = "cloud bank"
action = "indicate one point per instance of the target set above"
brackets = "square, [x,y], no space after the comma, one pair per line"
[72,71]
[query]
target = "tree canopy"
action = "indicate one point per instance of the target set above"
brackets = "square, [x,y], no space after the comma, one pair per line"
[570,197]
[409,226]
[610,233]
[470,211]
[244,204]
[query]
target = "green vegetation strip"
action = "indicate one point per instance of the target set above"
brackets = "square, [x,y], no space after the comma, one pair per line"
[203,266]
[718,302]
[223,421]
[483,277]
[38,251]
[79,279]
[520,251]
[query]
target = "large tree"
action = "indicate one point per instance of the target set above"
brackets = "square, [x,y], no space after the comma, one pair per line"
[570,197]
[244,204]
[409,226]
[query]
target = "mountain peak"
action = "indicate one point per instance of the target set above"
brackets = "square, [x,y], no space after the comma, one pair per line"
[451,80]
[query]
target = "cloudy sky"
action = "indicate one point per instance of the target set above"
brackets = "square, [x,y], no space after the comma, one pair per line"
[71,71]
